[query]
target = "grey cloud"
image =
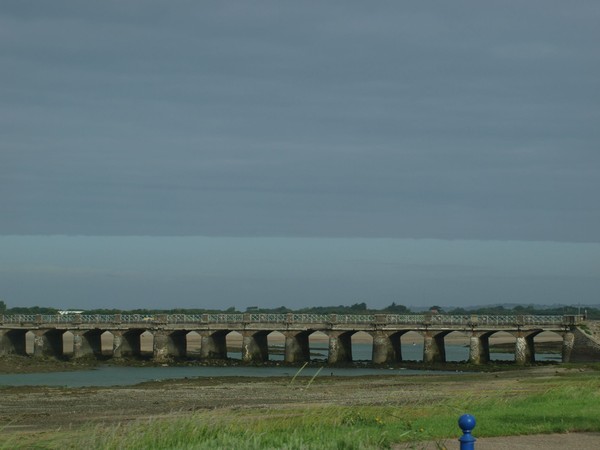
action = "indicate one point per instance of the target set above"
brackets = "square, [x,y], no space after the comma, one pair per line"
[282,118]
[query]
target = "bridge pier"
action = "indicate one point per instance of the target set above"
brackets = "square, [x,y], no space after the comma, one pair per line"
[160,346]
[81,346]
[434,348]
[297,348]
[479,347]
[255,347]
[86,343]
[117,351]
[387,347]
[39,343]
[213,344]
[127,343]
[167,345]
[4,343]
[340,346]
[177,343]
[524,347]
[77,343]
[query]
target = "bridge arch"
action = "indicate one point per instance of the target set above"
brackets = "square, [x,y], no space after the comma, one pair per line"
[193,343]
[412,344]
[50,343]
[127,343]
[233,343]
[551,344]
[67,344]
[276,345]
[362,346]
[168,344]
[146,344]
[457,346]
[107,342]
[501,346]
[319,345]
[15,342]
[213,344]
[177,343]
[29,342]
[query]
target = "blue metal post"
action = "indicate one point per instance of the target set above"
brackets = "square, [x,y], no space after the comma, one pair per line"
[466,422]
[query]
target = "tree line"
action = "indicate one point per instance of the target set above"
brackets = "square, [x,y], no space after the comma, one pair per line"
[356,308]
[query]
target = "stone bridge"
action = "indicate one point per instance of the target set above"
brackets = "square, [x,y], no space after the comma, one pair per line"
[170,335]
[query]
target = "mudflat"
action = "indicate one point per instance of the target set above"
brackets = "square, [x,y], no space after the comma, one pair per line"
[39,409]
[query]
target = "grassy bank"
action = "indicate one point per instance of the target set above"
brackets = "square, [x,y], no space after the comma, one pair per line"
[565,401]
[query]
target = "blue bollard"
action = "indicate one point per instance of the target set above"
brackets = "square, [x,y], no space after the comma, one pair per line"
[466,422]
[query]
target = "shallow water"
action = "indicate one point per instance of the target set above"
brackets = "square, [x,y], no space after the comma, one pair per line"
[364,352]
[126,376]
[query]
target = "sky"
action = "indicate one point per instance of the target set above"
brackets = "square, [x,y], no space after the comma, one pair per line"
[277,153]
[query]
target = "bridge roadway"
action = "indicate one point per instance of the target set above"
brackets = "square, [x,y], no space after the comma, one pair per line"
[170,334]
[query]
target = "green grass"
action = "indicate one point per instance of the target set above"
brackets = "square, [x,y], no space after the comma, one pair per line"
[541,405]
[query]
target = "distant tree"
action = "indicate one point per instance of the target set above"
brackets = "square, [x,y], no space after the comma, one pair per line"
[104,311]
[359,307]
[396,309]
[520,309]
[2,307]
[32,310]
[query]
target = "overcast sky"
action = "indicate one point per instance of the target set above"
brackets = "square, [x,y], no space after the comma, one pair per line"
[415,124]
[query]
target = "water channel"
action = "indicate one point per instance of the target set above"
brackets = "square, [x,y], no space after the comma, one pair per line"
[127,376]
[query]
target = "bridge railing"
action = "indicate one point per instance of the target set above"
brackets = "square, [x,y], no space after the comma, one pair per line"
[442,319]
[290,318]
[489,320]
[308,318]
[225,318]
[19,318]
[269,318]
[352,319]
[406,319]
